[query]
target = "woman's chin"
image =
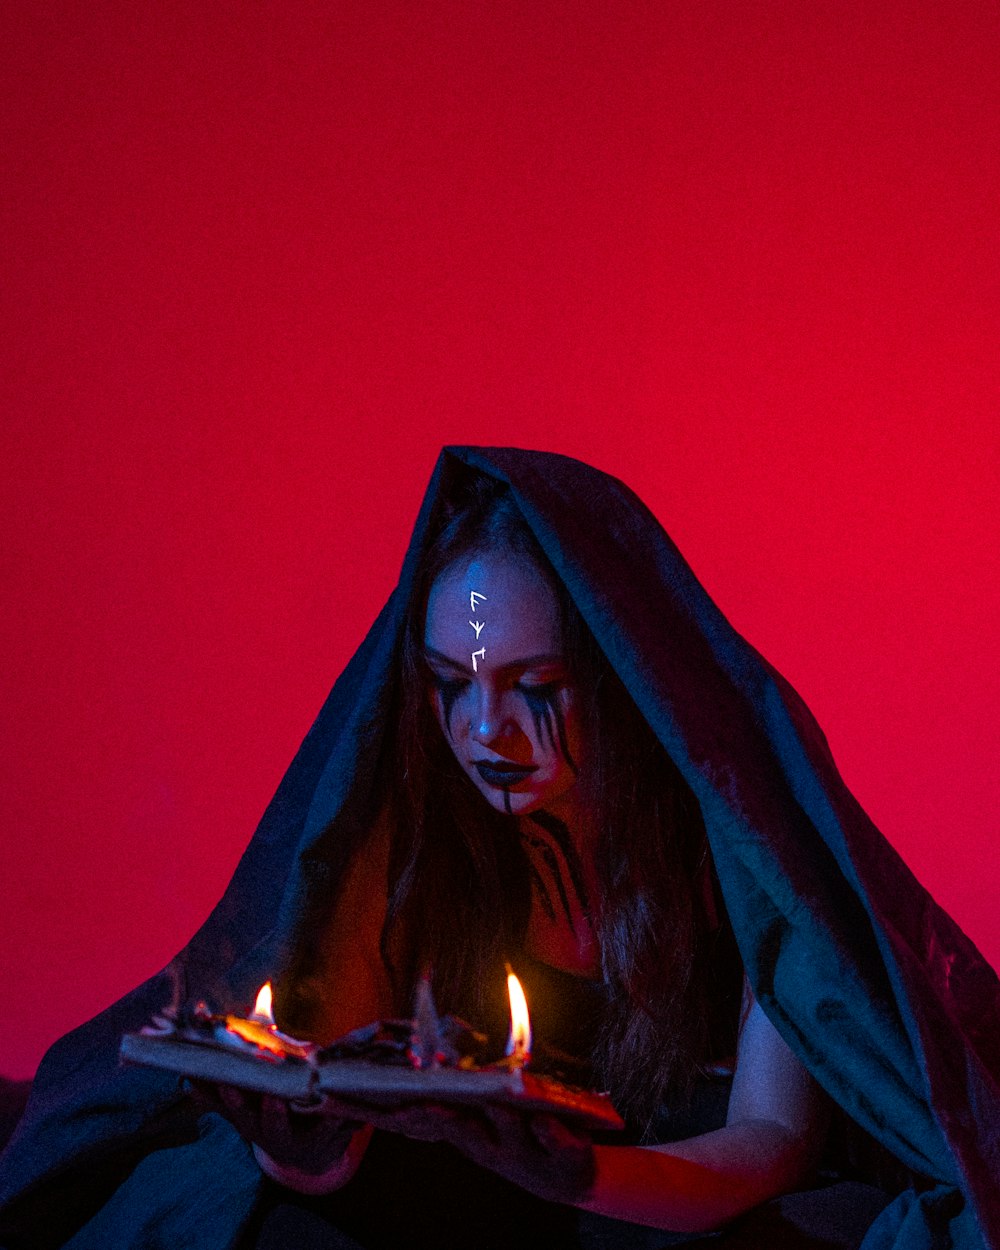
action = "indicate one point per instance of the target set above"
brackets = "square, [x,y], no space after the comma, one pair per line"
[512,802]
[515,801]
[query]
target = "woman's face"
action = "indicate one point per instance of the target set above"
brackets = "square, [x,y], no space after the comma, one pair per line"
[500,684]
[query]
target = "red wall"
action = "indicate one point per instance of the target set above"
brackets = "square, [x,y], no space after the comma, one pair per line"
[268,257]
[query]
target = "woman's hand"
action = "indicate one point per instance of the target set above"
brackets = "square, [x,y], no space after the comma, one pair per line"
[536,1151]
[307,1139]
[305,1143]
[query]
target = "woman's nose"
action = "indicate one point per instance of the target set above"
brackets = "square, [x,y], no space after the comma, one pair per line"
[488,718]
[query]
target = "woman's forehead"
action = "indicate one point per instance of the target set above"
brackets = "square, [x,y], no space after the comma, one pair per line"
[498,601]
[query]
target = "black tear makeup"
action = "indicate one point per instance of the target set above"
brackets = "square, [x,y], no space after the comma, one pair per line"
[546,712]
[450,690]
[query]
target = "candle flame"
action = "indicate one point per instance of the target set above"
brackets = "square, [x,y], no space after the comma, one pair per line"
[259,1029]
[519,1045]
[262,1008]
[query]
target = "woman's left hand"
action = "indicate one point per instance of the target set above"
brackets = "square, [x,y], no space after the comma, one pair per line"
[539,1152]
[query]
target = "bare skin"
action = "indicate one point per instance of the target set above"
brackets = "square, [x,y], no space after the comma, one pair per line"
[511,719]
[305,1147]
[518,706]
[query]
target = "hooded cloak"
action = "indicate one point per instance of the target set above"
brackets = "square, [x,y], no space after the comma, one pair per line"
[875,988]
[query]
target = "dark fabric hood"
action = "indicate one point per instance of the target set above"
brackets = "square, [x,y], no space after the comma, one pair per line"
[877,990]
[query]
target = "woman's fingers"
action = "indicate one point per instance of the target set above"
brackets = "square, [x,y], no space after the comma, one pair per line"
[436,1122]
[553,1134]
[274,1121]
[345,1108]
[535,1150]
[226,1100]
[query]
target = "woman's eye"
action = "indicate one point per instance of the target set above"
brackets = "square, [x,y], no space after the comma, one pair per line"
[539,690]
[449,685]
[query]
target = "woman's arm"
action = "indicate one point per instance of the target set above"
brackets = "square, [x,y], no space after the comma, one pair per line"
[773,1137]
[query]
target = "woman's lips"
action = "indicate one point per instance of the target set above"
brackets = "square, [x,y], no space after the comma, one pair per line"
[503,775]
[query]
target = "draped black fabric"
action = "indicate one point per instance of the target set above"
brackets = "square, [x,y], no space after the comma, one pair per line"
[875,988]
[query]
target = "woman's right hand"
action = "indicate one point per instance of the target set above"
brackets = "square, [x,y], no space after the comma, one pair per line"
[307,1146]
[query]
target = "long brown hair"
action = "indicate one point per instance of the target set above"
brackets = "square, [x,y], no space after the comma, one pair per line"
[459,889]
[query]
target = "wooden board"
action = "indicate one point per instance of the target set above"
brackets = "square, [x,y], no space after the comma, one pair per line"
[285,1078]
[384,1084]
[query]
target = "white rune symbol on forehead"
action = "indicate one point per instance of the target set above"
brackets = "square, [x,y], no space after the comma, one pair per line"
[475,598]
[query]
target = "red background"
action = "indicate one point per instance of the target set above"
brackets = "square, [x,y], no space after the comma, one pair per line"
[266,258]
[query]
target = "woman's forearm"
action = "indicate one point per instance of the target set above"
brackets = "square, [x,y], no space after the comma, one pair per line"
[697,1184]
[335,1177]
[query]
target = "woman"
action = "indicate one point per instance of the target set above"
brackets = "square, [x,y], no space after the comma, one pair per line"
[525,756]
[506,702]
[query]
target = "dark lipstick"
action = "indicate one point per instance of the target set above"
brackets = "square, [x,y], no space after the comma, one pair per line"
[503,773]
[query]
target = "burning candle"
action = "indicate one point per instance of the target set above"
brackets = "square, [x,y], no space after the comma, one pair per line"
[260,1029]
[519,1043]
